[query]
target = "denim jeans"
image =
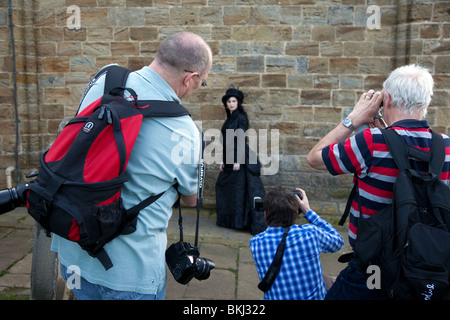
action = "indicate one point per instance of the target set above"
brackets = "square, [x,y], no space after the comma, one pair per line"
[90,291]
[351,284]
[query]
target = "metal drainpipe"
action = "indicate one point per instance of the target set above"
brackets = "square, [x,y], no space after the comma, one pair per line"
[16,120]
[8,173]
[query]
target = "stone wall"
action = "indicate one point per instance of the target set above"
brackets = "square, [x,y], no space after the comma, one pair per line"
[301,63]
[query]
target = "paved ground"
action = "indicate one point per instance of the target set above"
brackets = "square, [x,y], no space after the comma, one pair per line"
[234,277]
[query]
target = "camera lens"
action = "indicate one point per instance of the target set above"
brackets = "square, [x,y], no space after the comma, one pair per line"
[9,200]
[204,266]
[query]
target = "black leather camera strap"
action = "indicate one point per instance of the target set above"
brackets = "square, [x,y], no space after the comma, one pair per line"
[201,178]
[275,266]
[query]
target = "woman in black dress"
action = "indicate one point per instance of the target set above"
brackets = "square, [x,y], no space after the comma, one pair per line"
[238,182]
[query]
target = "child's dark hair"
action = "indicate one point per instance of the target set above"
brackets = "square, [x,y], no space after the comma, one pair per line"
[281,207]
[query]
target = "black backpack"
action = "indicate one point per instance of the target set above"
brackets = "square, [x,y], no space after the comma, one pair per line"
[410,240]
[76,194]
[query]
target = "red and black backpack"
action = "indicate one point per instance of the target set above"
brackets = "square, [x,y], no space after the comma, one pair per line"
[77,193]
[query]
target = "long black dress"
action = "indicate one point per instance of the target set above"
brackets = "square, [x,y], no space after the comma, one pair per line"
[235,190]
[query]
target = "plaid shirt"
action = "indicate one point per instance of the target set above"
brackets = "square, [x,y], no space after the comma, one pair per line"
[300,276]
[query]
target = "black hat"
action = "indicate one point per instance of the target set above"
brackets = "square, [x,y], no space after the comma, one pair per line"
[232,92]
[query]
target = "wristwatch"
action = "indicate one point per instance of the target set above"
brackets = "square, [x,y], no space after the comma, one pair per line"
[347,122]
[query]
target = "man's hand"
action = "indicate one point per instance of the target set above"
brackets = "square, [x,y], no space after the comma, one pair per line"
[303,202]
[366,108]
[363,112]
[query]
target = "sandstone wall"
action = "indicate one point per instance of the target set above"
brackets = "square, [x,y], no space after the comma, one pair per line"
[301,63]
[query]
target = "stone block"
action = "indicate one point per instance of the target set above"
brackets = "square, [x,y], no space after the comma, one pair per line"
[430,31]
[344,65]
[265,15]
[302,64]
[318,65]
[124,48]
[340,15]
[144,33]
[251,33]
[350,33]
[181,16]
[343,98]
[156,16]
[211,15]
[56,64]
[236,15]
[315,15]
[326,82]
[442,64]
[280,64]
[302,48]
[273,80]
[267,48]
[323,33]
[315,97]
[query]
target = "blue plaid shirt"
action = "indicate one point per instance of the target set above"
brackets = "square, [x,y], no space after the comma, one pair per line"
[300,276]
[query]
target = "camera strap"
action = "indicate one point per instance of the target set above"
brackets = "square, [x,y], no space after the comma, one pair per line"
[275,266]
[201,177]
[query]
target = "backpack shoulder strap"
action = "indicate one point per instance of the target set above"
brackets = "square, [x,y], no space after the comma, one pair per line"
[400,151]
[348,205]
[398,148]
[437,154]
[116,76]
[157,108]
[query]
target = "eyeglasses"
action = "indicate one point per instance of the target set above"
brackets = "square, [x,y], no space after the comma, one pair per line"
[204,83]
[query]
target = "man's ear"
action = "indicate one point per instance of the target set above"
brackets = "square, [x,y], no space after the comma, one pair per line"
[387,99]
[189,78]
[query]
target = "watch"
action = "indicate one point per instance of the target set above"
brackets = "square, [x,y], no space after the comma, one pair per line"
[347,122]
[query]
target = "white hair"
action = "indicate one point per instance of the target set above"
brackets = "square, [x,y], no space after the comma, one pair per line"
[410,88]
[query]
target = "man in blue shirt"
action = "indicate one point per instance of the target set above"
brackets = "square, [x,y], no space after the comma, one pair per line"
[300,276]
[181,65]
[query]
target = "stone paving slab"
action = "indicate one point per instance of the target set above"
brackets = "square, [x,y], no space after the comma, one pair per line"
[233,278]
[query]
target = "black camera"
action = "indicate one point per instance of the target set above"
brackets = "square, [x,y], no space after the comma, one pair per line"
[258,204]
[12,198]
[183,261]
[298,193]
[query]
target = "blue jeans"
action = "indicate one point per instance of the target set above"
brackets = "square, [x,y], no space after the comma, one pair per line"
[90,291]
[351,284]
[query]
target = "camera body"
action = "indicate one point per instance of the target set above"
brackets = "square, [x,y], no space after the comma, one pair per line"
[298,193]
[258,204]
[183,261]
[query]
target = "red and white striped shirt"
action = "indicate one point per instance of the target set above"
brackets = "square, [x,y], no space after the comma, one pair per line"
[367,156]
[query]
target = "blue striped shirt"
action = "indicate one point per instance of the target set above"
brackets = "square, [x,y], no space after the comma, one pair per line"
[300,276]
[366,155]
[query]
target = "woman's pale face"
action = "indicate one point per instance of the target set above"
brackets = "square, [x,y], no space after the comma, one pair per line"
[232,104]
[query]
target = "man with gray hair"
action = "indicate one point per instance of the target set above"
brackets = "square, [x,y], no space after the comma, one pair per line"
[406,96]
[181,65]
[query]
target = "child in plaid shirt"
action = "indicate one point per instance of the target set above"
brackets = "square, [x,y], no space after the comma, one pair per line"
[300,276]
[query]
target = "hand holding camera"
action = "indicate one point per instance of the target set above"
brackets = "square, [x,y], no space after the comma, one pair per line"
[302,200]
[366,111]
